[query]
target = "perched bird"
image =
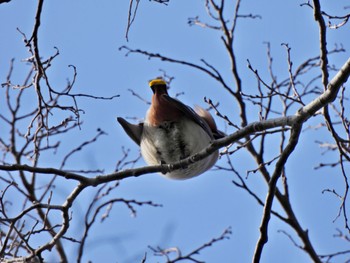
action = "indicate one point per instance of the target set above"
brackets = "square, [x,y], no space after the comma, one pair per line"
[173,131]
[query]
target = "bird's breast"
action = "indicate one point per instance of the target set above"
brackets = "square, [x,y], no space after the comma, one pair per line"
[172,141]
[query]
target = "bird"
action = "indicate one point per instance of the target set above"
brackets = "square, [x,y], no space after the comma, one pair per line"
[173,131]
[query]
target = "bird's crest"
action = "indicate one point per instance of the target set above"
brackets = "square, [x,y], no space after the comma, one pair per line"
[157,81]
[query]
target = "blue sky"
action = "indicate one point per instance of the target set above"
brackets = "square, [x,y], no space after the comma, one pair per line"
[88,35]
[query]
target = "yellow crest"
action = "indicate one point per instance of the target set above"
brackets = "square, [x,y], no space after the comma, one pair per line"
[158,81]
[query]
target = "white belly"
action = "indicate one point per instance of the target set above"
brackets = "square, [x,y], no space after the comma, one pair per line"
[174,141]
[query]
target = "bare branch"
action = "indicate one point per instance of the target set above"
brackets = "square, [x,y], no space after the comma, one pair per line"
[190,256]
[293,141]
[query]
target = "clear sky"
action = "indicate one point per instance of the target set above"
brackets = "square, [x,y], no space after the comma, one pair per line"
[88,35]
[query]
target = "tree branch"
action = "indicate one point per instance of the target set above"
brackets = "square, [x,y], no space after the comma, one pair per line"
[293,141]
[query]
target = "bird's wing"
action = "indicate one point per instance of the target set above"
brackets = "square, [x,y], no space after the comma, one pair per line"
[190,113]
[133,130]
[204,114]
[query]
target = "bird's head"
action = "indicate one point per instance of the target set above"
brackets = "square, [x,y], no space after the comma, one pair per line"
[159,86]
